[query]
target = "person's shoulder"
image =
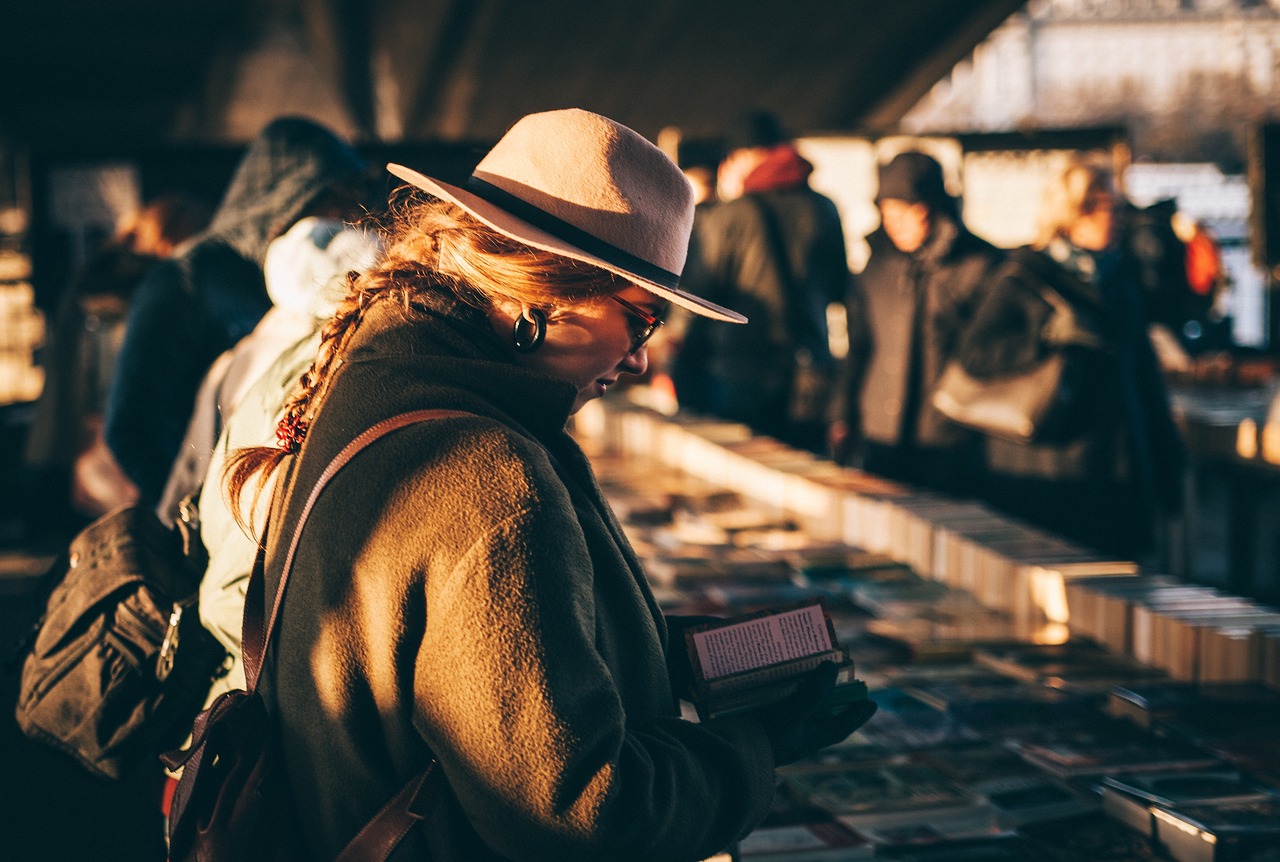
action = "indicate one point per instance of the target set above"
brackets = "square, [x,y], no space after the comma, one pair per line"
[465,440]
[977,244]
[881,248]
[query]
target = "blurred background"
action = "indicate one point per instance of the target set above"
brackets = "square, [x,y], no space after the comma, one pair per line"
[105,106]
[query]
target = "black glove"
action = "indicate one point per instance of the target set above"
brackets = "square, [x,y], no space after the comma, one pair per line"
[801,723]
[679,669]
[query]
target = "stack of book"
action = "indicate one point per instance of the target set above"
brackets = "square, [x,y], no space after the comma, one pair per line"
[1036,701]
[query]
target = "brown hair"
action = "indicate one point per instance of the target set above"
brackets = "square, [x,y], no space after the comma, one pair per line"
[428,246]
[163,224]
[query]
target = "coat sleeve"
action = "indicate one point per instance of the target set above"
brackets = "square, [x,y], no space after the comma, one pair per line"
[550,755]
[846,401]
[165,352]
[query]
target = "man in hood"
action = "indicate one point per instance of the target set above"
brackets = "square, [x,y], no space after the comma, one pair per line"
[773,248]
[907,311]
[211,294]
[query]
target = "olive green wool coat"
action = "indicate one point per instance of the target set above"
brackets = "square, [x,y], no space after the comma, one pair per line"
[463,589]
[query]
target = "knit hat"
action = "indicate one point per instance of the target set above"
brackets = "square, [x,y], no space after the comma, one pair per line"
[580,185]
[914,177]
[756,129]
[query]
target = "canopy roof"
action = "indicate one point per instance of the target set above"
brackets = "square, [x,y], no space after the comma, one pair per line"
[90,72]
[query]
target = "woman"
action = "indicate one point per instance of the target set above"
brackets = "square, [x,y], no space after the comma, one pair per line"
[1107,476]
[468,594]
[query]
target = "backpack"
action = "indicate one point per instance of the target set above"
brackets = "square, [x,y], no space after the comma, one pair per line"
[233,801]
[119,663]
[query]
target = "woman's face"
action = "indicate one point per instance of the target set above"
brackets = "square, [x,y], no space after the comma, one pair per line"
[591,345]
[1095,226]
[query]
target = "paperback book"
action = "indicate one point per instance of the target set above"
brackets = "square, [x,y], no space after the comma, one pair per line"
[747,661]
[1221,832]
[1133,798]
[878,794]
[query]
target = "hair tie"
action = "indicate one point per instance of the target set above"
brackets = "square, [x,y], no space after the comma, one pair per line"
[290,433]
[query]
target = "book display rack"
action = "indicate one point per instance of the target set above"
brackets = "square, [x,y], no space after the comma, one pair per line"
[1037,701]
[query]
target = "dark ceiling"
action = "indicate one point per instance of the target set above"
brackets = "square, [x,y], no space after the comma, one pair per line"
[86,73]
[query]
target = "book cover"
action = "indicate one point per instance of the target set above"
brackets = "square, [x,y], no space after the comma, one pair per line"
[1020,800]
[1150,703]
[970,762]
[933,830]
[1093,837]
[819,840]
[1105,746]
[1189,786]
[876,794]
[903,722]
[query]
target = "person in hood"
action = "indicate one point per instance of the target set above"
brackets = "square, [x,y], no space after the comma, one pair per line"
[209,295]
[241,402]
[774,248]
[907,312]
[469,597]
[305,271]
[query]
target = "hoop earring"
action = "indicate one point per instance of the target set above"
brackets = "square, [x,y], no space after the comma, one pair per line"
[522,339]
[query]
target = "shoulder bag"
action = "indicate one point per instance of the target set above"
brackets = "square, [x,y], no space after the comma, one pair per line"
[1033,405]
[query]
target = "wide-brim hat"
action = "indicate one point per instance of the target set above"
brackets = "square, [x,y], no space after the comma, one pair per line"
[580,185]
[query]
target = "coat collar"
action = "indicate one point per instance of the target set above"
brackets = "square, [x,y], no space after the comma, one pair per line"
[444,353]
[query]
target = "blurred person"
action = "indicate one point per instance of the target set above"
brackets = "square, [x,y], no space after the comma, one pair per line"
[209,296]
[773,247]
[906,312]
[305,271]
[69,463]
[468,592]
[1120,463]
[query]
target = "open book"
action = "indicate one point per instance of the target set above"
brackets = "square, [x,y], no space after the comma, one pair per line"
[747,661]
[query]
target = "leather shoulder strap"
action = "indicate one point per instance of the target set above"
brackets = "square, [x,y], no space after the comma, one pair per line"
[384,832]
[256,637]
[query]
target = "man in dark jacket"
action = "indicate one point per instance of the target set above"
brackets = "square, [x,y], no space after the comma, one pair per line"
[207,297]
[774,248]
[907,310]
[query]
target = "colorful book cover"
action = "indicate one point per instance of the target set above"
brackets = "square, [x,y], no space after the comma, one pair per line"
[875,792]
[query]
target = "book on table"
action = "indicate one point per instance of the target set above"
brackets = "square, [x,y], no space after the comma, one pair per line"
[748,661]
[1133,798]
[1238,831]
[823,839]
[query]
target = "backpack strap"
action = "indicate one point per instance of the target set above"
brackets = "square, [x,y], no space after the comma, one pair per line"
[256,636]
[381,835]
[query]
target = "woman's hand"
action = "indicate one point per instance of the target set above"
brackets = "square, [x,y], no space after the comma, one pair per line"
[801,724]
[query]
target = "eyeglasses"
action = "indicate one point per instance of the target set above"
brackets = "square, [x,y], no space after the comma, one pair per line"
[641,323]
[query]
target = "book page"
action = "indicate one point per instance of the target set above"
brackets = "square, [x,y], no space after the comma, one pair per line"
[762,641]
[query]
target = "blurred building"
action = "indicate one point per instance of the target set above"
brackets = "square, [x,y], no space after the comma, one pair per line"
[1188,78]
